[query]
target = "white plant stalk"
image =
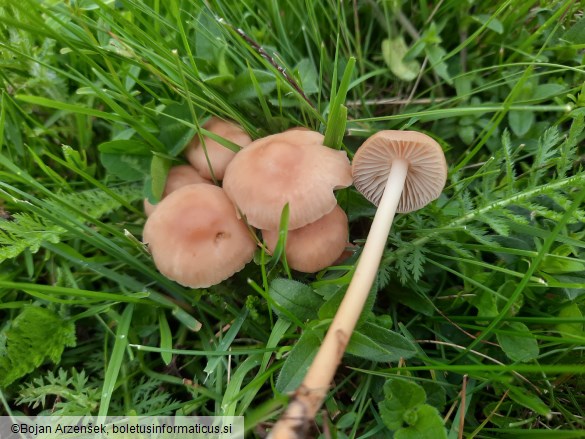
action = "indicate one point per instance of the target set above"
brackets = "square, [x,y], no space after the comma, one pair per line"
[309,397]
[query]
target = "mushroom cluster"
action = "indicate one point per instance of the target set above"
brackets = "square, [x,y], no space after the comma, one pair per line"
[198,234]
[294,168]
[193,234]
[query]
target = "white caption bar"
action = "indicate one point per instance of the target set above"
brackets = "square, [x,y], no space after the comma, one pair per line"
[139,427]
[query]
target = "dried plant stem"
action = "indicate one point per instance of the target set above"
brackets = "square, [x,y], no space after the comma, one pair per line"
[307,400]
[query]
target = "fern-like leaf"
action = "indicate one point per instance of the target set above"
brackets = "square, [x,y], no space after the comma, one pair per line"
[28,231]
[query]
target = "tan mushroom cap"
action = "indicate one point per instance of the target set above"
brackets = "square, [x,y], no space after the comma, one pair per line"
[219,155]
[195,237]
[315,246]
[291,167]
[178,177]
[427,168]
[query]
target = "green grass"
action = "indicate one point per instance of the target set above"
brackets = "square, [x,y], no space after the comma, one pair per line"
[480,295]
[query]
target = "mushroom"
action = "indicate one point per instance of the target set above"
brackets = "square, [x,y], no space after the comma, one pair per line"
[401,170]
[219,156]
[177,177]
[195,237]
[291,167]
[315,246]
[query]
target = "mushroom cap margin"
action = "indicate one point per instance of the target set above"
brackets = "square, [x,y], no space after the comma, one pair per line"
[427,167]
[195,237]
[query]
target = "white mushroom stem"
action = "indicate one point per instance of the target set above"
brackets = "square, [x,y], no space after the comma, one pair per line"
[312,391]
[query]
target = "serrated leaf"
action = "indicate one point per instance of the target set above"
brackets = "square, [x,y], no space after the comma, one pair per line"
[35,335]
[376,343]
[520,345]
[298,361]
[295,297]
[393,52]
[427,423]
[400,396]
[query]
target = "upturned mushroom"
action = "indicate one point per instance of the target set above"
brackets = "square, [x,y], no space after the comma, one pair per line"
[396,170]
[219,156]
[195,237]
[178,177]
[291,167]
[315,246]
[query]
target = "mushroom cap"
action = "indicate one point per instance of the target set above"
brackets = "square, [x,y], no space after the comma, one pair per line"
[291,167]
[219,155]
[427,168]
[315,246]
[195,237]
[178,177]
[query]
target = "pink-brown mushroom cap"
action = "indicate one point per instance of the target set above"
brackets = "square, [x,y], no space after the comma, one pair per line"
[291,167]
[195,237]
[427,167]
[315,246]
[178,177]
[219,155]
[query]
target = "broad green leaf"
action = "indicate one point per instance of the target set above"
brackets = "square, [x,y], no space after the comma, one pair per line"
[130,147]
[414,301]
[520,121]
[159,169]
[485,302]
[295,297]
[547,91]
[576,34]
[571,311]
[173,133]
[436,394]
[494,24]
[400,397]
[209,40]
[520,345]
[379,344]
[393,52]
[308,76]
[554,264]
[128,160]
[243,85]
[357,206]
[298,361]
[166,337]
[425,423]
[529,400]
[436,54]
[330,307]
[35,335]
[466,134]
